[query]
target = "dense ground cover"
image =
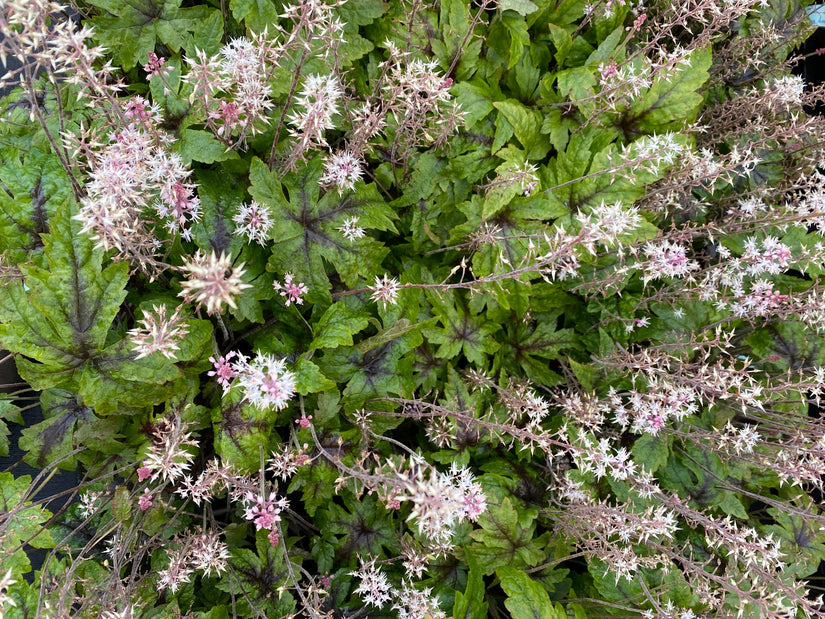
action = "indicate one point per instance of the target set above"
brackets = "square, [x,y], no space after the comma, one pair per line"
[409,309]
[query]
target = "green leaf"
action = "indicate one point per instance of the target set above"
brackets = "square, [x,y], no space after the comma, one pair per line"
[307,226]
[308,378]
[563,42]
[462,332]
[471,604]
[241,431]
[8,412]
[20,522]
[607,48]
[383,370]
[576,83]
[257,14]
[364,526]
[526,598]
[317,481]
[337,326]
[651,452]
[35,185]
[59,320]
[526,124]
[672,100]
[529,348]
[506,538]
[522,7]
[475,99]
[203,146]
[399,328]
[136,27]
[361,13]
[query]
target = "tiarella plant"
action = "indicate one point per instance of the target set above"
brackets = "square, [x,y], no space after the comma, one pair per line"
[412,309]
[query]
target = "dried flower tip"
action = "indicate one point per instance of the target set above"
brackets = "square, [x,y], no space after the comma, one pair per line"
[212,282]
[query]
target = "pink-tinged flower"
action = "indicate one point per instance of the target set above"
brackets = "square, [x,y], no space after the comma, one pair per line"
[385,290]
[145,501]
[155,66]
[265,381]
[138,109]
[253,221]
[264,513]
[229,117]
[667,259]
[291,290]
[180,206]
[212,282]
[224,370]
[274,537]
[144,473]
[325,581]
[304,421]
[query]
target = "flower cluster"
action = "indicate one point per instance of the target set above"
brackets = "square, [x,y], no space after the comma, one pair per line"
[410,602]
[253,221]
[441,500]
[197,551]
[385,290]
[231,88]
[317,104]
[159,332]
[212,281]
[135,170]
[264,380]
[341,170]
[264,513]
[666,259]
[291,290]
[650,410]
[168,456]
